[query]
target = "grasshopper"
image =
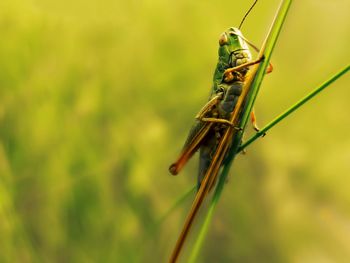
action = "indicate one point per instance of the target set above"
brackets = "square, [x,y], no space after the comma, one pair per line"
[213,119]
[217,122]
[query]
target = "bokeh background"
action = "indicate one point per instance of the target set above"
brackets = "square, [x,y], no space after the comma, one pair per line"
[96,99]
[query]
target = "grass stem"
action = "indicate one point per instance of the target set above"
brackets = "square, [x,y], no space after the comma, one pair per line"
[294,107]
[254,85]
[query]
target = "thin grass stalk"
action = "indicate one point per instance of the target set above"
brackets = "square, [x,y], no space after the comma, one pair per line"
[176,204]
[294,107]
[258,73]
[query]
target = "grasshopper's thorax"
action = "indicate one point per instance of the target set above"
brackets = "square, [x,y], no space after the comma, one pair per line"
[233,51]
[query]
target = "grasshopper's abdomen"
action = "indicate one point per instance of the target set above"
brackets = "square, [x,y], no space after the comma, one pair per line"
[229,101]
[241,57]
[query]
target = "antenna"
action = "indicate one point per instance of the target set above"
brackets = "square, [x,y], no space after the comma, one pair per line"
[246,14]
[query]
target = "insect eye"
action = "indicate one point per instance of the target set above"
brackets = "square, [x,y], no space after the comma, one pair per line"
[233,36]
[223,39]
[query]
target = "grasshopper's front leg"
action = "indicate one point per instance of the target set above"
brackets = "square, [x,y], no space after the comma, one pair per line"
[252,114]
[253,120]
[228,76]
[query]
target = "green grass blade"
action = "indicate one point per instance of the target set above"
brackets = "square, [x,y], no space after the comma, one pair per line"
[203,231]
[294,107]
[266,50]
[176,204]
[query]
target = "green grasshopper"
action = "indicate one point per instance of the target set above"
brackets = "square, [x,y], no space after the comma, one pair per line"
[231,71]
[230,75]
[217,122]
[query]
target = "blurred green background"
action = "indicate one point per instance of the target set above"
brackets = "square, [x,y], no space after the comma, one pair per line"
[96,99]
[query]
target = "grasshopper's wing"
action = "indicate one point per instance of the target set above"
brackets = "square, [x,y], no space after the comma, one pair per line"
[193,142]
[196,136]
